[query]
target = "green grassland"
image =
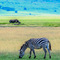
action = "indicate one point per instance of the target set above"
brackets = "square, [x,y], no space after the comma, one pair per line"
[50,21]
[39,56]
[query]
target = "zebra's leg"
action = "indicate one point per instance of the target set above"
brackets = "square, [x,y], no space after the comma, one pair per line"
[49,52]
[30,53]
[34,53]
[45,52]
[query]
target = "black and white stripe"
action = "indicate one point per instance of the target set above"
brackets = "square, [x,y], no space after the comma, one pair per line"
[39,41]
[36,43]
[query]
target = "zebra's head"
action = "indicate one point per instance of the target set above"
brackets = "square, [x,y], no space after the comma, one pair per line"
[21,53]
[22,50]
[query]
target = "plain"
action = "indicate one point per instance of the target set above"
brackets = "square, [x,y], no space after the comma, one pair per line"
[42,21]
[12,38]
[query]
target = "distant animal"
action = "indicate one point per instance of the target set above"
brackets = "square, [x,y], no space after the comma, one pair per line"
[14,21]
[35,43]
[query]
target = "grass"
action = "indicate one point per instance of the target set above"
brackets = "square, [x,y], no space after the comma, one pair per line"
[11,39]
[39,56]
[50,21]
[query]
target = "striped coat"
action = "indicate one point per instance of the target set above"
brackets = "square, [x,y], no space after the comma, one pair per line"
[36,43]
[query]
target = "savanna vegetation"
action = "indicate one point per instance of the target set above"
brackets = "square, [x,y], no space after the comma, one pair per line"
[12,38]
[48,21]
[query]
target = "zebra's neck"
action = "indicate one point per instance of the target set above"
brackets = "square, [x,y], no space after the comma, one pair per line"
[24,47]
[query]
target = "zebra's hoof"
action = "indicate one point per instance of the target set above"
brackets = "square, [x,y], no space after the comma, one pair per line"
[29,57]
[50,57]
[20,57]
[34,57]
[44,57]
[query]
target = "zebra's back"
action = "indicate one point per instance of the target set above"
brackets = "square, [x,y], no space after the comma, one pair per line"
[37,42]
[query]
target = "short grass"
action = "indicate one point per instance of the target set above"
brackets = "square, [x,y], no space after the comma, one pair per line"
[52,21]
[39,56]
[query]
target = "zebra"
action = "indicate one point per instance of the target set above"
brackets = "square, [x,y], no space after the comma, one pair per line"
[36,43]
[15,21]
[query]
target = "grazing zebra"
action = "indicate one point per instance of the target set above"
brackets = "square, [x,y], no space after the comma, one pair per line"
[15,21]
[36,43]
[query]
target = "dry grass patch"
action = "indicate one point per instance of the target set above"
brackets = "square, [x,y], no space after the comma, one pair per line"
[12,38]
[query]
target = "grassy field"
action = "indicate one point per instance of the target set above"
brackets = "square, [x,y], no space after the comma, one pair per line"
[11,39]
[13,36]
[14,56]
[32,20]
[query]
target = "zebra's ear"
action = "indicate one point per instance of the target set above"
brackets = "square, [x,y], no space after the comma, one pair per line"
[20,50]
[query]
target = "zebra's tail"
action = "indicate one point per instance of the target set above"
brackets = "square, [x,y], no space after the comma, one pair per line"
[50,45]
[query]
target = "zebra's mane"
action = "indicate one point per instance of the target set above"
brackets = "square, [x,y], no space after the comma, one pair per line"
[24,45]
